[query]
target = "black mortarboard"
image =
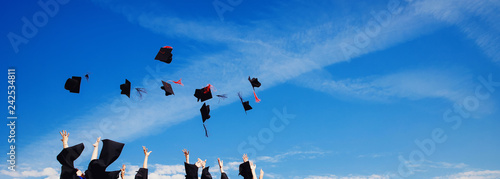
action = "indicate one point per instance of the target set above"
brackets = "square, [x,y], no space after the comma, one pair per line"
[204,93]
[165,54]
[246,104]
[254,81]
[168,88]
[126,88]
[73,84]
[221,96]
[205,114]
[87,76]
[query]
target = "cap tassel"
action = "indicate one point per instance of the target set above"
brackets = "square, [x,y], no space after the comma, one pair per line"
[208,88]
[256,98]
[206,132]
[178,82]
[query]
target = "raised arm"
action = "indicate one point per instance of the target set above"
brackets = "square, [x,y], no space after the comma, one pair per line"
[245,158]
[122,174]
[261,174]
[146,155]
[65,136]
[201,163]
[221,165]
[186,154]
[96,147]
[253,166]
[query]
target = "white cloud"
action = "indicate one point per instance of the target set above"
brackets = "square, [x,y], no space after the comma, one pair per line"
[412,84]
[351,176]
[47,173]
[481,174]
[296,154]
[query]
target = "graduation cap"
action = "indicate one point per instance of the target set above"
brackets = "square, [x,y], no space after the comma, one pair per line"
[254,81]
[204,94]
[205,114]
[246,104]
[126,88]
[168,88]
[255,84]
[87,76]
[222,96]
[165,54]
[73,84]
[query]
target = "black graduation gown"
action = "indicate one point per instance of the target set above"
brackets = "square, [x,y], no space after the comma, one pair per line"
[142,174]
[110,151]
[245,170]
[191,171]
[66,157]
[223,176]
[205,174]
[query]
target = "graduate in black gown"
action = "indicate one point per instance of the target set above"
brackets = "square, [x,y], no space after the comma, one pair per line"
[67,157]
[247,169]
[143,172]
[221,167]
[192,169]
[110,151]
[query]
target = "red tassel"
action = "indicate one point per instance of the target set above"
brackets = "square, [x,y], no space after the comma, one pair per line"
[178,82]
[256,98]
[208,87]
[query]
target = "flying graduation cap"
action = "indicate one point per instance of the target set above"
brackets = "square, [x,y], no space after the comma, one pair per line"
[165,54]
[73,84]
[167,88]
[205,114]
[204,94]
[221,96]
[126,88]
[246,104]
[87,76]
[255,84]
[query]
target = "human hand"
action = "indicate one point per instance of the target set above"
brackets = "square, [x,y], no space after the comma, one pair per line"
[96,144]
[245,158]
[146,153]
[65,136]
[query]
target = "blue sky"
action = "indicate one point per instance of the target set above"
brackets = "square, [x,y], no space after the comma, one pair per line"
[349,89]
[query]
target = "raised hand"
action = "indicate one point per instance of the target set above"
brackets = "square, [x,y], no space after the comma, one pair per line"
[65,136]
[221,165]
[146,153]
[261,174]
[186,154]
[201,163]
[245,158]
[96,144]
[123,171]
[252,166]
